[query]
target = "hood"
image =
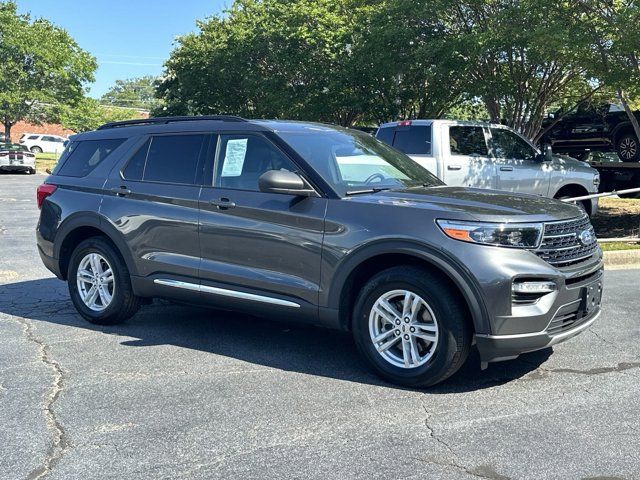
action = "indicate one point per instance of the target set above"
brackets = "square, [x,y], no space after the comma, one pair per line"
[476,204]
[572,165]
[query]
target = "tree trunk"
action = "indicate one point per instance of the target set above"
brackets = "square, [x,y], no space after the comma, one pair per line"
[632,117]
[7,129]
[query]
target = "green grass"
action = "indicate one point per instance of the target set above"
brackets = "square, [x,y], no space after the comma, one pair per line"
[612,246]
[46,161]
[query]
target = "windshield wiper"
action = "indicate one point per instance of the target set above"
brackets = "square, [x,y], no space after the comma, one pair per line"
[368,190]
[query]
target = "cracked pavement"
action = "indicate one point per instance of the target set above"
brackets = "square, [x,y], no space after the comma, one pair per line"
[185,392]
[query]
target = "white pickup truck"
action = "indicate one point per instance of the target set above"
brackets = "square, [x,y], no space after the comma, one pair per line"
[484,155]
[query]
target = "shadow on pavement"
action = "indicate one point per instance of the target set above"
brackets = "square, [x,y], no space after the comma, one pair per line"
[288,347]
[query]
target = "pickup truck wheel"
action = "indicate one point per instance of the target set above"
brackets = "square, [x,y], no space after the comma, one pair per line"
[99,283]
[627,148]
[411,327]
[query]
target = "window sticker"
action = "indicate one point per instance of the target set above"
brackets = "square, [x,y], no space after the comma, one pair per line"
[234,156]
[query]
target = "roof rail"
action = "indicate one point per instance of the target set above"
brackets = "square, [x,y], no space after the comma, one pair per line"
[165,120]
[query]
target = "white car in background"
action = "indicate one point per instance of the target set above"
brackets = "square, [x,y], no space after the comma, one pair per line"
[39,143]
[16,158]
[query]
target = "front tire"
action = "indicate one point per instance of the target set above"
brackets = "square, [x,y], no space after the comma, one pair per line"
[627,148]
[411,326]
[99,283]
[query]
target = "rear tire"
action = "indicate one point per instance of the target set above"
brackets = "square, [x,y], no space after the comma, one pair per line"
[97,299]
[627,148]
[36,150]
[439,314]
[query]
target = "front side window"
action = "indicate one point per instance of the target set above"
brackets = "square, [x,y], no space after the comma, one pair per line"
[468,141]
[507,144]
[242,159]
[167,159]
[48,139]
[81,158]
[352,161]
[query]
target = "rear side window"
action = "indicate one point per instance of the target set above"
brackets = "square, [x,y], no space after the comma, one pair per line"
[83,157]
[413,140]
[468,141]
[167,159]
[33,137]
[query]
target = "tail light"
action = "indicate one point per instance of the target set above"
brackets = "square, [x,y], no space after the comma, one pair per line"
[44,191]
[404,123]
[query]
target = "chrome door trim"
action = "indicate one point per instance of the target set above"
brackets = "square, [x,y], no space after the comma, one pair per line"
[225,292]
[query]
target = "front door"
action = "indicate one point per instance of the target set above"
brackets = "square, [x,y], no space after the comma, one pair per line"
[469,163]
[258,249]
[519,168]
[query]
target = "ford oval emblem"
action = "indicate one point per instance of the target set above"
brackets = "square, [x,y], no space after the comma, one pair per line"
[586,237]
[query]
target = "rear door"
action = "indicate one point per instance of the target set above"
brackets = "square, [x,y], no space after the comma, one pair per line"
[265,244]
[519,169]
[153,201]
[468,163]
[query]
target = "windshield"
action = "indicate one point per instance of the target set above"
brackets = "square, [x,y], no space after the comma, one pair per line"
[354,162]
[13,147]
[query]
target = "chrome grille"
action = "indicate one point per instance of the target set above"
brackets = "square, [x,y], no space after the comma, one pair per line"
[561,245]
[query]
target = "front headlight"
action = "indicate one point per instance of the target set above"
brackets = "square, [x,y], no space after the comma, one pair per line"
[517,235]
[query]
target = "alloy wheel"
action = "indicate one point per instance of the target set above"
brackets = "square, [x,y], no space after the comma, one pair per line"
[403,328]
[95,281]
[628,148]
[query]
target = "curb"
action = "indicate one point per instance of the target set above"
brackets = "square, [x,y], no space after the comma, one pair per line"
[622,259]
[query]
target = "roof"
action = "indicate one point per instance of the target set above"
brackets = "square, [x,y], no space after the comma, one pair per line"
[425,122]
[198,124]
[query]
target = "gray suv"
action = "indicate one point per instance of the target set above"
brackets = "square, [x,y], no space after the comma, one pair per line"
[317,224]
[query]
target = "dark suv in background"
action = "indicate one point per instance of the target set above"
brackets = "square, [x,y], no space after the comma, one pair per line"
[316,224]
[594,128]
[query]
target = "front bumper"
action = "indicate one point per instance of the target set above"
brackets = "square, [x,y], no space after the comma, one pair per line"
[568,312]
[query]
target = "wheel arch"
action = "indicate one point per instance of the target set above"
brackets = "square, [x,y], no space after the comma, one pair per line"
[368,260]
[620,129]
[574,190]
[81,226]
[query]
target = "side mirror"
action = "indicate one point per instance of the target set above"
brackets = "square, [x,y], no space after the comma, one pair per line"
[547,154]
[285,182]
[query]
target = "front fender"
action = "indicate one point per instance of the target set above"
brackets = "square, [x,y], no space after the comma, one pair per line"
[439,258]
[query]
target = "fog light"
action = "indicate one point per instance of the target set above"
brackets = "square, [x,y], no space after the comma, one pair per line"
[533,287]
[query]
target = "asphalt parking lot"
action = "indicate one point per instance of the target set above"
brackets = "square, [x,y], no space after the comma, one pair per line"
[185,392]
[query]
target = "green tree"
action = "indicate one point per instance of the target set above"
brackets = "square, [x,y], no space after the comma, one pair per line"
[133,93]
[41,67]
[89,114]
[295,59]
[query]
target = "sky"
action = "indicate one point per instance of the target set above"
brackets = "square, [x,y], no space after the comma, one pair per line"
[129,38]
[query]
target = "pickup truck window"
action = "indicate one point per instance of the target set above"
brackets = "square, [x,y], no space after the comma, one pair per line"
[413,140]
[507,144]
[410,139]
[468,141]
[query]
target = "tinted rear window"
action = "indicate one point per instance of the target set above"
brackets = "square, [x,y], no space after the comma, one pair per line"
[81,158]
[413,140]
[168,159]
[385,134]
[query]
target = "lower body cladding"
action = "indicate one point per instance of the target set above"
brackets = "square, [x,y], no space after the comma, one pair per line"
[558,309]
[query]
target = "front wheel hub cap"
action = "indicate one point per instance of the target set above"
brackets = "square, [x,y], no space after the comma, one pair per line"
[415,342]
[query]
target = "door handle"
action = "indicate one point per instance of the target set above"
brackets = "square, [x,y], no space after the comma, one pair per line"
[222,204]
[121,191]
[506,169]
[454,167]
